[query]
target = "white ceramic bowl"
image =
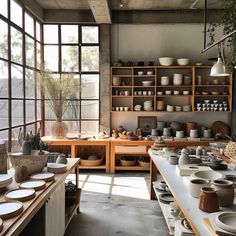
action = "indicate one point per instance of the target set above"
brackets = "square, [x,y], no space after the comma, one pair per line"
[159,93]
[227,221]
[149,72]
[166,61]
[140,72]
[208,175]
[185,92]
[176,92]
[168,92]
[147,83]
[183,61]
[195,186]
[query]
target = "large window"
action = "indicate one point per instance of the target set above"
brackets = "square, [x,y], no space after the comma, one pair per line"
[75,49]
[20,52]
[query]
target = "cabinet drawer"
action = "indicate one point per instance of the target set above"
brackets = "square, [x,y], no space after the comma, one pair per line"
[130,149]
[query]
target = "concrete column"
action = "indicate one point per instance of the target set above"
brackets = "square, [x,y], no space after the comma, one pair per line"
[105,78]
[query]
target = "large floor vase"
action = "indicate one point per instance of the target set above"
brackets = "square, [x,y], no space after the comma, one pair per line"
[59,130]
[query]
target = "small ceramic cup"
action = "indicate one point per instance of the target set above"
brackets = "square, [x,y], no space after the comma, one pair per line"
[144,93]
[121,108]
[117,108]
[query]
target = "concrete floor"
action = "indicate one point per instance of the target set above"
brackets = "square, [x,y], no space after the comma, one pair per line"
[117,205]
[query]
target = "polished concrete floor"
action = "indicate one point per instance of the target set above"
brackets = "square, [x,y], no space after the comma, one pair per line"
[117,205]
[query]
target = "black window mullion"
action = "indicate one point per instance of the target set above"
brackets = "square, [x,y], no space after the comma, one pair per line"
[80,76]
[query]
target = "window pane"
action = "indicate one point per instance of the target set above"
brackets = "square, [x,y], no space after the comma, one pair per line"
[69,56]
[4,114]
[29,24]
[72,111]
[4,7]
[89,110]
[38,109]
[3,79]
[49,114]
[38,54]
[69,34]
[89,34]
[50,33]
[16,45]
[16,13]
[90,87]
[4,137]
[90,58]
[3,39]
[30,112]
[38,88]
[17,81]
[17,112]
[15,146]
[29,50]
[30,128]
[51,57]
[29,83]
[89,127]
[73,127]
[38,31]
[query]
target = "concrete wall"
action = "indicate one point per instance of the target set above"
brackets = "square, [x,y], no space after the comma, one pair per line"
[147,43]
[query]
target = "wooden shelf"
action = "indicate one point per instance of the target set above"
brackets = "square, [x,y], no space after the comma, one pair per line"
[211,95]
[122,76]
[93,167]
[74,209]
[122,86]
[175,86]
[121,96]
[142,76]
[141,86]
[213,85]
[181,95]
[143,96]
[132,168]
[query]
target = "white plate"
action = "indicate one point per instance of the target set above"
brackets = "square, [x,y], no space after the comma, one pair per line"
[33,184]
[47,176]
[5,180]
[56,168]
[10,209]
[227,221]
[20,194]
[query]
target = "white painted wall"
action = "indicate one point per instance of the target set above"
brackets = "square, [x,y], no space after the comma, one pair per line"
[147,43]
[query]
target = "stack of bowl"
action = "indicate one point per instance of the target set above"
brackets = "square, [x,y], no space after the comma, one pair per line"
[148,106]
[137,107]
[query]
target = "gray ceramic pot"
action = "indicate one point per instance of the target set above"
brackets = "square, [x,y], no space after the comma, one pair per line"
[195,186]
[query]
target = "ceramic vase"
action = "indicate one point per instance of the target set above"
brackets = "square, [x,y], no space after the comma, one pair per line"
[59,129]
[116,81]
[61,159]
[196,185]
[21,173]
[208,200]
[225,192]
[189,126]
[160,105]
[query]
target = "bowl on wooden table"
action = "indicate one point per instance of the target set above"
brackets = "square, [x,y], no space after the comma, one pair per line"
[127,160]
[91,161]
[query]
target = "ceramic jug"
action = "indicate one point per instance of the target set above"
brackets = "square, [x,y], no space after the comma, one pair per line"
[225,192]
[208,200]
[61,159]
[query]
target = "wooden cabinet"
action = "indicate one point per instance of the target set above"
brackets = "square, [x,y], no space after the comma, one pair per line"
[131,86]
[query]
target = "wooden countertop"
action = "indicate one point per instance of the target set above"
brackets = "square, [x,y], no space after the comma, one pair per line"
[15,225]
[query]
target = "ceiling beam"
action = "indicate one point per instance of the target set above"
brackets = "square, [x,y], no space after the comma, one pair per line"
[101,11]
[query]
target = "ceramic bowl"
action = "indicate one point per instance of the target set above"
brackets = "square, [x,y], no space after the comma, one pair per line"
[168,92]
[176,92]
[140,72]
[150,72]
[166,61]
[163,184]
[159,93]
[183,61]
[195,186]
[207,175]
[147,83]
[227,221]
[185,92]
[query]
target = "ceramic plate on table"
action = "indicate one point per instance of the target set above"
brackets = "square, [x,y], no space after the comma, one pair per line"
[227,221]
[46,176]
[5,180]
[56,168]
[20,194]
[33,184]
[9,209]
[166,198]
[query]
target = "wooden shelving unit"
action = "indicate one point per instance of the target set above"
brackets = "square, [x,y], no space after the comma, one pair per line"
[131,81]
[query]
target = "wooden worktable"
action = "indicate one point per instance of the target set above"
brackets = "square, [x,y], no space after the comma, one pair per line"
[15,225]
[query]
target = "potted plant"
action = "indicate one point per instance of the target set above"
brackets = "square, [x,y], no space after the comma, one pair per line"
[58,92]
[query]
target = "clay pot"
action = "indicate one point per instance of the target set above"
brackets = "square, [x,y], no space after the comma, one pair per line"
[189,126]
[208,200]
[196,185]
[184,159]
[160,105]
[193,133]
[167,131]
[225,192]
[116,81]
[21,173]
[61,159]
[59,129]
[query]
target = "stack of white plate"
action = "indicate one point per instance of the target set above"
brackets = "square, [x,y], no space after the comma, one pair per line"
[5,180]
[148,105]
[137,107]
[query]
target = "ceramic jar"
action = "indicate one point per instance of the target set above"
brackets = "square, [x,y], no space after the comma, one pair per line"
[167,131]
[208,200]
[178,79]
[179,134]
[196,185]
[207,133]
[184,159]
[26,147]
[176,126]
[116,81]
[193,133]
[160,105]
[225,192]
[155,132]
[174,159]
[165,80]
[61,159]
[21,173]
[189,126]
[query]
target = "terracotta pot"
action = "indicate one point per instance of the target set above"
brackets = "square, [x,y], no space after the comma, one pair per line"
[160,105]
[116,81]
[21,173]
[225,192]
[208,200]
[59,129]
[189,126]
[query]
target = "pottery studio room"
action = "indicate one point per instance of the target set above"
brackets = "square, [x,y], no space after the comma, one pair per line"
[117,117]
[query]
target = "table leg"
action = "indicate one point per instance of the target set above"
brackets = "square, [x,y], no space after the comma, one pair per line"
[153,178]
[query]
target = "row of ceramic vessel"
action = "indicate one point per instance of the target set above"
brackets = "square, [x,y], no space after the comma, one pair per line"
[178,79]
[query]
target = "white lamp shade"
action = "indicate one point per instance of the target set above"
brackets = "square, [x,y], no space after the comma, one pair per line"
[219,68]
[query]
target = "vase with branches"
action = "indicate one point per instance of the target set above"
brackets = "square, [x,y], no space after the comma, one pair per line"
[58,91]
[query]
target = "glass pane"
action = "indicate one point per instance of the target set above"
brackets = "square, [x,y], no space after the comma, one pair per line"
[29,83]
[90,58]
[51,57]
[4,114]
[29,50]
[89,110]
[17,81]
[50,33]
[16,13]
[69,34]
[49,114]
[39,109]
[69,55]
[17,112]
[89,34]
[72,111]
[30,128]
[16,45]
[30,111]
[4,137]
[38,31]
[3,39]
[38,88]
[38,54]
[4,7]
[15,146]
[73,127]
[29,24]
[90,87]
[3,79]
[89,127]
